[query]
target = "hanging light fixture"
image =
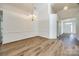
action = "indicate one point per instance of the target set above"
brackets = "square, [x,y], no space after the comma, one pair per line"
[33,13]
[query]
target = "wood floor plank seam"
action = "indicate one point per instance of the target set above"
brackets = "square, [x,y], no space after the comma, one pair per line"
[39,46]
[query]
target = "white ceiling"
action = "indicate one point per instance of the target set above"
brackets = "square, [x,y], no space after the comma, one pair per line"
[59,6]
[24,6]
[28,7]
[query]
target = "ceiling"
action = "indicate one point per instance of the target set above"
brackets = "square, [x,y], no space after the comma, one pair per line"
[24,6]
[28,7]
[59,6]
[56,7]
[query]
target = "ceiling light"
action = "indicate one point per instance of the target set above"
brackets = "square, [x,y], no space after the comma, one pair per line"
[66,8]
[34,16]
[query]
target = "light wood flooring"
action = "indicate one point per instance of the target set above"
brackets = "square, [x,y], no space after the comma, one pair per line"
[39,46]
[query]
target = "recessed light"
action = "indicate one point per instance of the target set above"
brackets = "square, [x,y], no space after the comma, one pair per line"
[65,8]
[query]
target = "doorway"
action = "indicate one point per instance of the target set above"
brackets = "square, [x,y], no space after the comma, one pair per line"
[68,26]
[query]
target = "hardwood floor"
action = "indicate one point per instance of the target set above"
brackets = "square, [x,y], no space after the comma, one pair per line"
[39,46]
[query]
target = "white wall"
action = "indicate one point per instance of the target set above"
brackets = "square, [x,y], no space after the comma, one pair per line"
[47,22]
[52,23]
[16,25]
[77,26]
[43,19]
[53,26]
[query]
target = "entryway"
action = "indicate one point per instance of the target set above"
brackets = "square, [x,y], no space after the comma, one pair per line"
[68,26]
